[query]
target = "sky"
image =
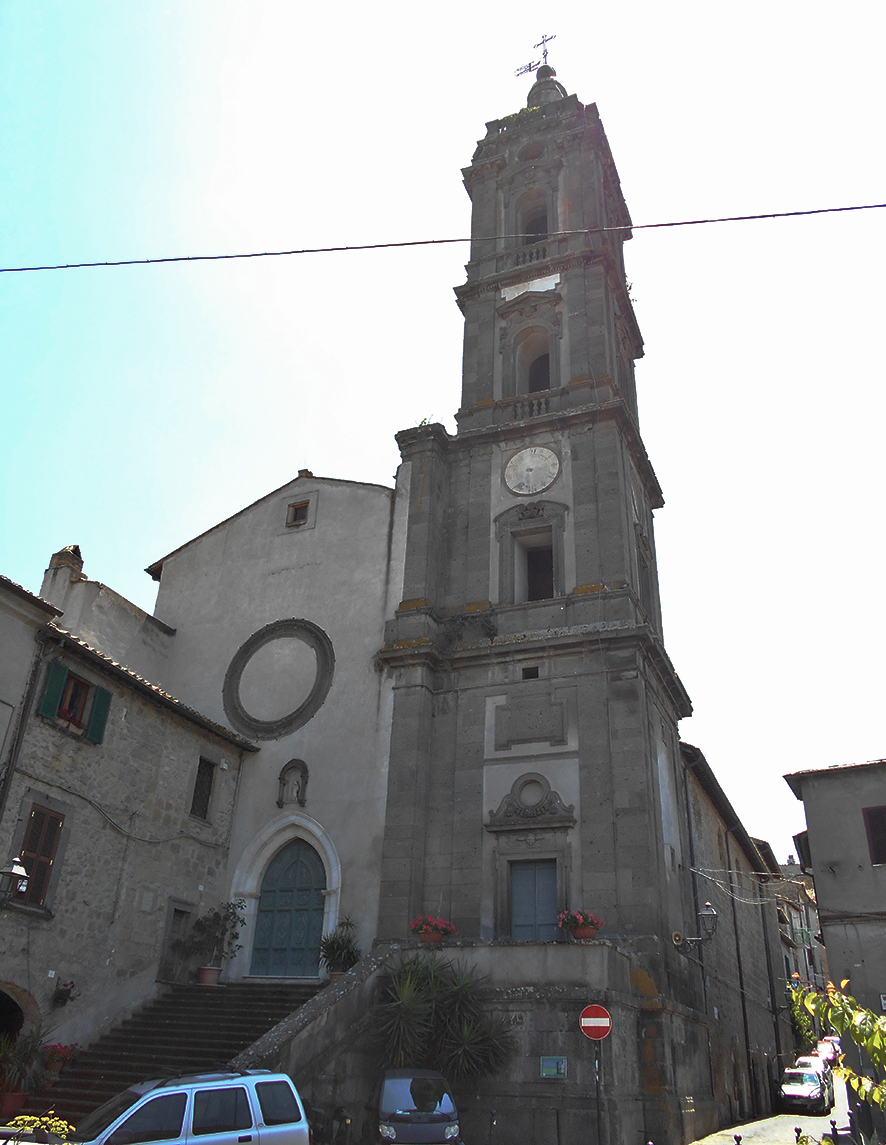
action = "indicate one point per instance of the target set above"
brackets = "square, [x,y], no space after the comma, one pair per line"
[143,404]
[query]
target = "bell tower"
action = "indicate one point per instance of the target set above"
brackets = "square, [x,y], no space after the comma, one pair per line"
[534,760]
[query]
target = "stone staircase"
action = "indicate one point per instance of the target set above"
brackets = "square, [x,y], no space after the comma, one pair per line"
[186,1029]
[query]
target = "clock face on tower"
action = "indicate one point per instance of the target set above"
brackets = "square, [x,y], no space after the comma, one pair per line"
[532,470]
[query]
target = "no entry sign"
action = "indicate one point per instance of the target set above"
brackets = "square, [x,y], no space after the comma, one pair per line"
[595,1022]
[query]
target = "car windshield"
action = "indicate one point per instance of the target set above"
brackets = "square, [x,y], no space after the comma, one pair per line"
[799,1077]
[99,1120]
[416,1095]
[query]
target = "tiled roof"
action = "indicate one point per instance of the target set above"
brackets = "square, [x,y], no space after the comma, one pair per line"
[794,777]
[153,691]
[17,590]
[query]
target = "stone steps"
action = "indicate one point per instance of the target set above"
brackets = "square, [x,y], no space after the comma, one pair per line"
[187,1029]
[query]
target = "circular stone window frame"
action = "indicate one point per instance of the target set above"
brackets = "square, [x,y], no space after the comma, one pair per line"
[310,634]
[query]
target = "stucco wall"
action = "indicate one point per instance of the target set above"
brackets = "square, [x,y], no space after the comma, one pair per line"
[338,571]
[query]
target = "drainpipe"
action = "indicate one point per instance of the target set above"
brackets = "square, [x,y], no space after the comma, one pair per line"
[744,1006]
[773,1003]
[26,705]
[704,978]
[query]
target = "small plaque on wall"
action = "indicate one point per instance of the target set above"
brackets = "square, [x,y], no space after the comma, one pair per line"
[552,1068]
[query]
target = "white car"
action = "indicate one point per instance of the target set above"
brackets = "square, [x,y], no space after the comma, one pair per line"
[805,1089]
[820,1066]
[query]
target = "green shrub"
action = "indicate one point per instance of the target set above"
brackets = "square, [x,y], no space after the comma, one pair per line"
[430,1017]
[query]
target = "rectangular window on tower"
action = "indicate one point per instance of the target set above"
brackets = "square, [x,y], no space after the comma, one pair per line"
[533,900]
[534,567]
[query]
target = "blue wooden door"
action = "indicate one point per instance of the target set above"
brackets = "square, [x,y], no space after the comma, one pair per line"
[290,914]
[534,900]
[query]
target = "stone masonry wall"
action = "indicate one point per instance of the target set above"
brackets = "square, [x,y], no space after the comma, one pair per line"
[128,848]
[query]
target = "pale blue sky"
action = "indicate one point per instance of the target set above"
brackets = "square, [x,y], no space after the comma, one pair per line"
[143,404]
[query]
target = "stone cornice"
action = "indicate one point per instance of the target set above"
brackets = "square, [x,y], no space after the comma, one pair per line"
[423,653]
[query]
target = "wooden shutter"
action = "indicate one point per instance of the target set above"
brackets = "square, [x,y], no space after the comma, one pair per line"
[38,852]
[52,693]
[98,717]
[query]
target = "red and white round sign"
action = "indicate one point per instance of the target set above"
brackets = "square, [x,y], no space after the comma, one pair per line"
[595,1022]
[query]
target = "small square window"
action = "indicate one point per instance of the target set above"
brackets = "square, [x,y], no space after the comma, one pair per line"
[203,789]
[530,673]
[297,513]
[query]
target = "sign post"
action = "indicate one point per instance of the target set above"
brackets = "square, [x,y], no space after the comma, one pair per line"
[595,1022]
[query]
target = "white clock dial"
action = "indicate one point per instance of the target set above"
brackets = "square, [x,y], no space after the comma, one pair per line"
[532,470]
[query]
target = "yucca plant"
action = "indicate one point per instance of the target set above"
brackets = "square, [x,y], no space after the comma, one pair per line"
[430,1017]
[21,1063]
[338,950]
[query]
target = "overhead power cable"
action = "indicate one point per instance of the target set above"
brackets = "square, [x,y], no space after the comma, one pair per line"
[427,242]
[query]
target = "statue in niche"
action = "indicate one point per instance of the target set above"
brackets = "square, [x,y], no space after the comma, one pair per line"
[293,783]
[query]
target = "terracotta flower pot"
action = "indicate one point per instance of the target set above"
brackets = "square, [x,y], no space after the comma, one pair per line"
[10,1104]
[208,975]
[585,932]
[430,936]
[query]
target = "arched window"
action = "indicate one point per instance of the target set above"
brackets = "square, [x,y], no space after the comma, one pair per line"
[539,377]
[532,218]
[533,361]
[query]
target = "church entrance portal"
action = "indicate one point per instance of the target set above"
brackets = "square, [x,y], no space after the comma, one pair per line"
[290,914]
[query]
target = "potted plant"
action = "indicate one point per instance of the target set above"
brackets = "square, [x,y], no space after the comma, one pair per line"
[430,929]
[21,1067]
[338,950]
[56,1056]
[579,923]
[64,992]
[213,938]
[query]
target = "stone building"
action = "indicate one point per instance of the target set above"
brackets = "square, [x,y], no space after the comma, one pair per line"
[462,698]
[119,800]
[844,849]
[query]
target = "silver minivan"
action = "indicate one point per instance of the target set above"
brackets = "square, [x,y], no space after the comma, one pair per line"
[255,1107]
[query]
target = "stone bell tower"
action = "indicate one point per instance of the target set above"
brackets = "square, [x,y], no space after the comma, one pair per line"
[534,755]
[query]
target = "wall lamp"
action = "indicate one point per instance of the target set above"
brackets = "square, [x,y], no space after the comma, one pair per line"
[707,924]
[13,880]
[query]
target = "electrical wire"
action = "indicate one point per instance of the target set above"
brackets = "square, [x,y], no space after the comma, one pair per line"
[426,242]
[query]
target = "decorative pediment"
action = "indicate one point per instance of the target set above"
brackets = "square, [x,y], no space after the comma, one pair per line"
[531,805]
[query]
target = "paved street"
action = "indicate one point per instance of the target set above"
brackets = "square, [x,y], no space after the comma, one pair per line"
[779,1130]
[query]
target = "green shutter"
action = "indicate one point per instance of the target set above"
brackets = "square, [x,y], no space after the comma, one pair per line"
[98,717]
[52,695]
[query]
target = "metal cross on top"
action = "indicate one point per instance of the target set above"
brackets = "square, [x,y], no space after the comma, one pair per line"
[543,44]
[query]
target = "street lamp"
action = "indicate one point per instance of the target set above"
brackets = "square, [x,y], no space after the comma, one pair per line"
[707,924]
[13,880]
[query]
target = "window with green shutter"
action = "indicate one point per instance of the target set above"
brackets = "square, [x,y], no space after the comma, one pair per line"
[74,703]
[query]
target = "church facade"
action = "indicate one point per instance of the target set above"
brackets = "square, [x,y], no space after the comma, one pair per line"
[455,696]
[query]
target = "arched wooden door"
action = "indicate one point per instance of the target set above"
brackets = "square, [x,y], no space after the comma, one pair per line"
[290,914]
